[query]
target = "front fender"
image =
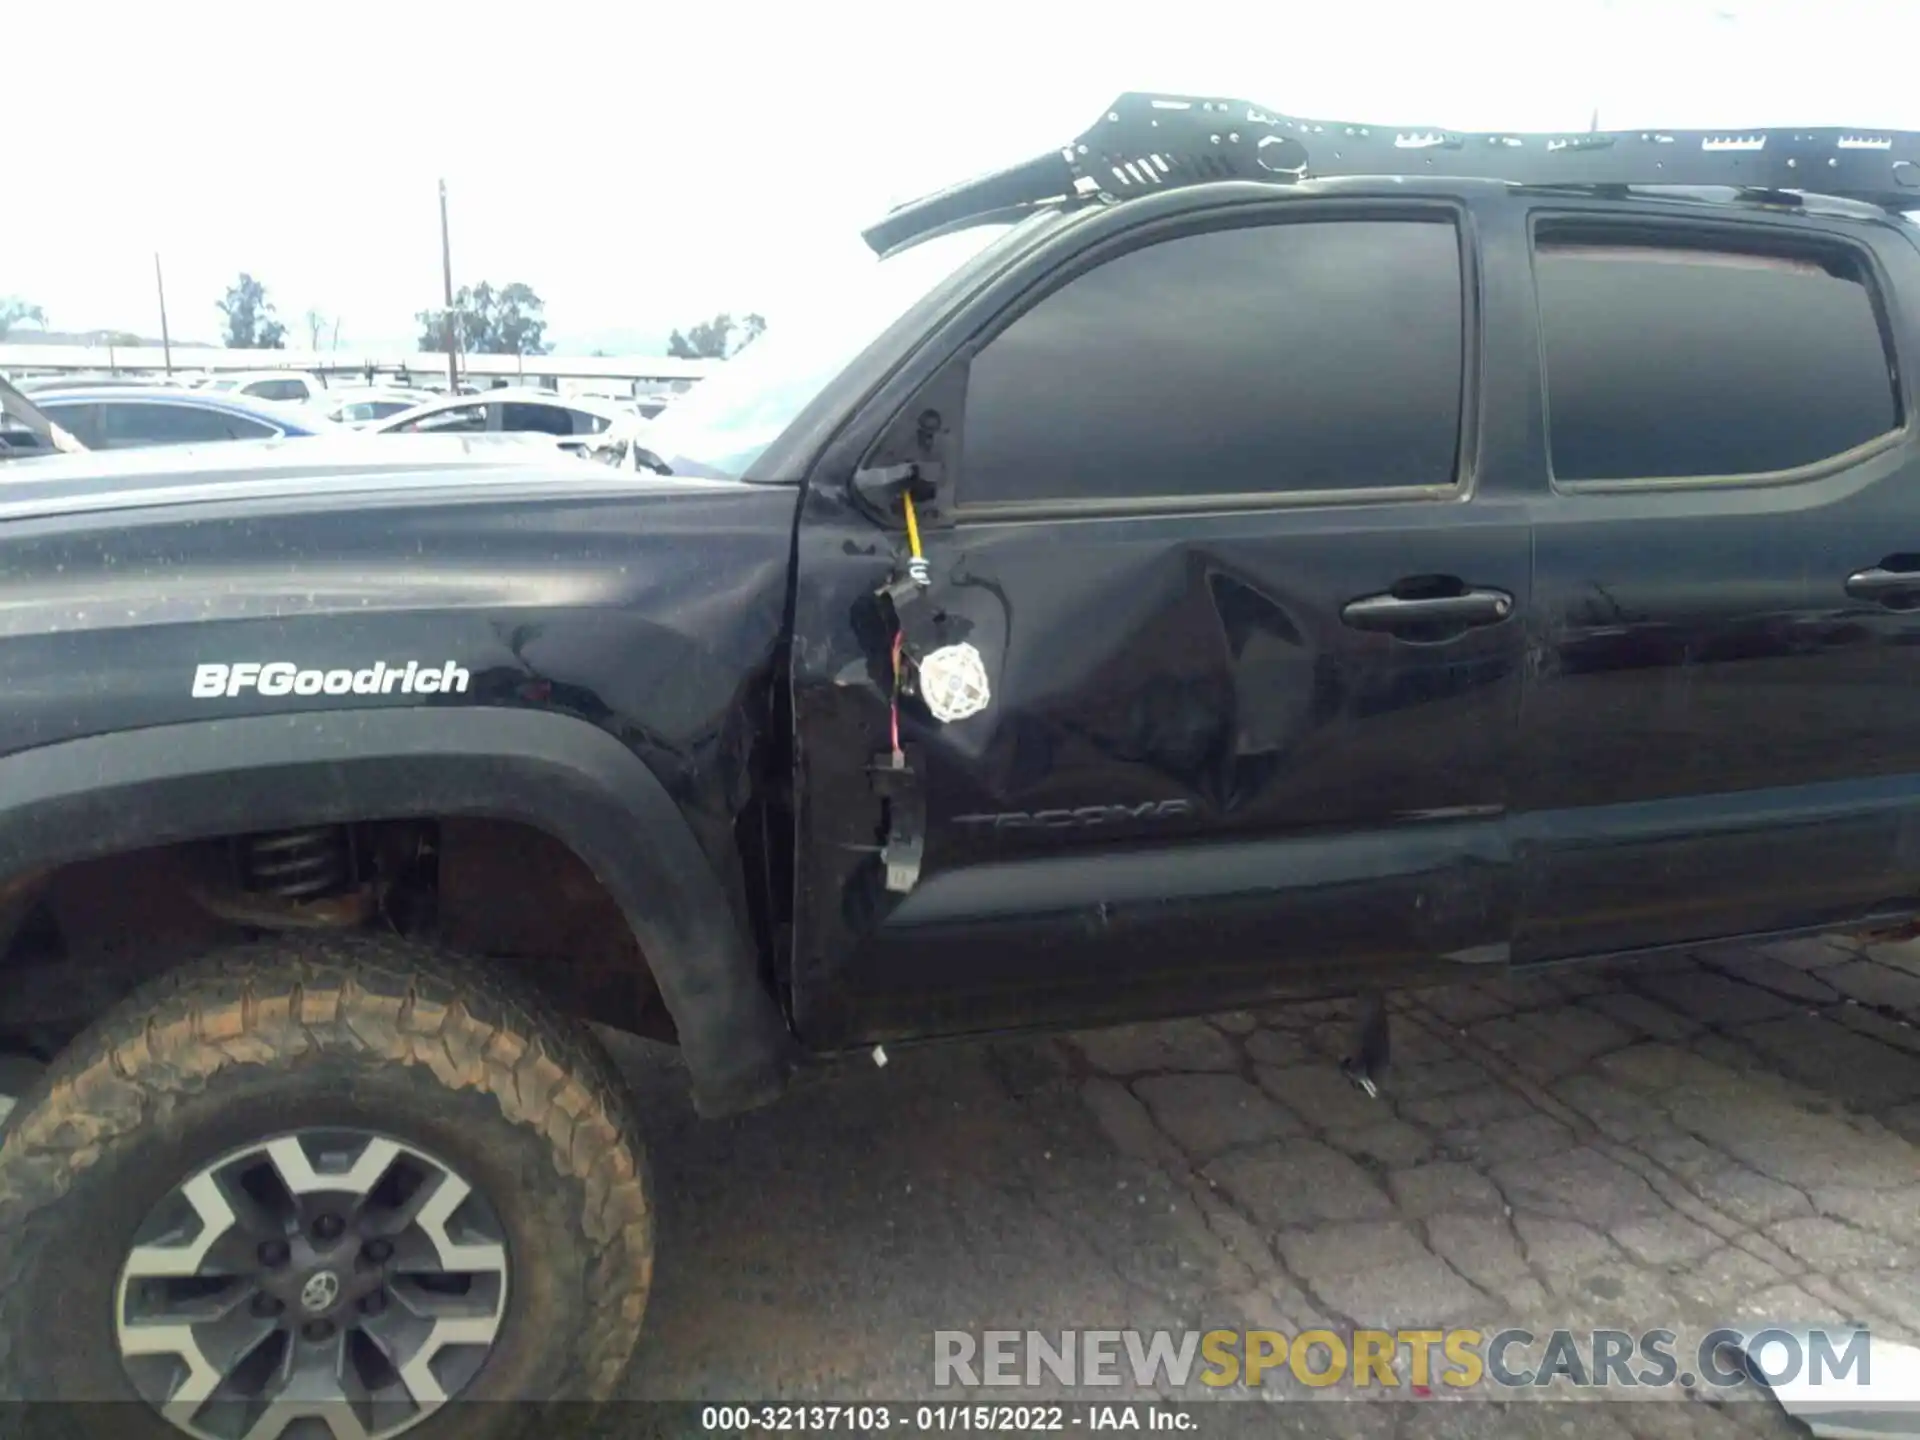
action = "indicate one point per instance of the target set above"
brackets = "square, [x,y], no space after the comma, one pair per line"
[109,793]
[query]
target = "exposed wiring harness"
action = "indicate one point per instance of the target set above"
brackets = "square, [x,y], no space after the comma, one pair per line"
[916,570]
[893,721]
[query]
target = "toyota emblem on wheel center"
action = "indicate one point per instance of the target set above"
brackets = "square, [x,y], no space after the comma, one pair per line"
[321,1290]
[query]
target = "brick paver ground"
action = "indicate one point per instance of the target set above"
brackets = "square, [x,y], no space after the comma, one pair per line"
[1687,1143]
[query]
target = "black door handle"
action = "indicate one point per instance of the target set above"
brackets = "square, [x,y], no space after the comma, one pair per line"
[1883,585]
[1428,612]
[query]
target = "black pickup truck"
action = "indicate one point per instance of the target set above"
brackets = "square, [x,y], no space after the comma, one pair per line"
[1227,559]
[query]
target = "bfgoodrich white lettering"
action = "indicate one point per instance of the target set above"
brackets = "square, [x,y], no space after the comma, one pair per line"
[280,677]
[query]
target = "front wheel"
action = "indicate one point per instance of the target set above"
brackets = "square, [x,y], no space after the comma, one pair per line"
[322,1186]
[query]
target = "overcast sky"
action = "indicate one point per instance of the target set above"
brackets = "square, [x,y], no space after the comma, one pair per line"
[643,166]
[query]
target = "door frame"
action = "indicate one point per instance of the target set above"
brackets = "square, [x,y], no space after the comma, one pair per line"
[872,418]
[1707,837]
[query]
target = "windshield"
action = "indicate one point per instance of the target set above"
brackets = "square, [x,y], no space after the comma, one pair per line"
[720,427]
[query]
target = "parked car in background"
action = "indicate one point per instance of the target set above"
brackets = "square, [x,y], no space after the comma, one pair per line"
[509,407]
[119,417]
[294,386]
[39,384]
[362,406]
[570,419]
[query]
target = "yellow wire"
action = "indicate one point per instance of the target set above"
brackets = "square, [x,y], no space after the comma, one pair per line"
[913,527]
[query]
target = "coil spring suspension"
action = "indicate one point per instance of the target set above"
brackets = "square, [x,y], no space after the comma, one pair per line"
[299,864]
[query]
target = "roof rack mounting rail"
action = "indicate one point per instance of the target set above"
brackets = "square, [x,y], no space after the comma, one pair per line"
[1149,142]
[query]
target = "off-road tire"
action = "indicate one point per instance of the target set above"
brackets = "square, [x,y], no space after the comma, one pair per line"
[436,1050]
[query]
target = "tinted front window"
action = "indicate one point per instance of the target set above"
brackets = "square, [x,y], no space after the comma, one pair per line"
[79,419]
[1669,361]
[1321,355]
[124,425]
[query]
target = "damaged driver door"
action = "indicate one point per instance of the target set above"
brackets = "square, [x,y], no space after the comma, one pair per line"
[1205,687]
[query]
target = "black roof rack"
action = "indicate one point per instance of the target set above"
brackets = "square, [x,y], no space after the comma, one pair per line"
[1155,142]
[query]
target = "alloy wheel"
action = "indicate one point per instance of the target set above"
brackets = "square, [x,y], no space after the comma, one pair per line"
[322,1283]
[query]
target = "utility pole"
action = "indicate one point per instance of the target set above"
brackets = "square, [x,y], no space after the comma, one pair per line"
[446,280]
[166,341]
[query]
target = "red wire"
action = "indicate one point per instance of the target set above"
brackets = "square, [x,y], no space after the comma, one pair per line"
[894,716]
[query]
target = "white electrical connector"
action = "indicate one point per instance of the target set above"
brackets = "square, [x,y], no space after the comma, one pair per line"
[953,682]
[880,1056]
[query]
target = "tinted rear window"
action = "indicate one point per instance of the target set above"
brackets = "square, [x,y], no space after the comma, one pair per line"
[1686,360]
